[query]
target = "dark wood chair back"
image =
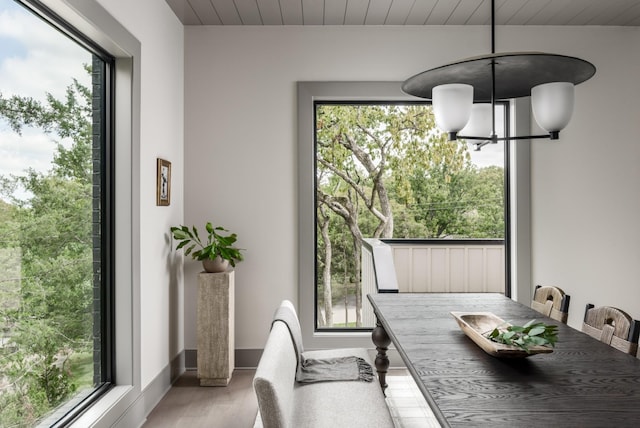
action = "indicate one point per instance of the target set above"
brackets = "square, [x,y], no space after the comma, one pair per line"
[612,326]
[552,302]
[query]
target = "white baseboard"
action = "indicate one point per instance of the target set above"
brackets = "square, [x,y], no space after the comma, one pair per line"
[136,414]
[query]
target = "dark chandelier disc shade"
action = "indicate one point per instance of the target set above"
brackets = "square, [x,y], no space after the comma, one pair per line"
[515,74]
[548,78]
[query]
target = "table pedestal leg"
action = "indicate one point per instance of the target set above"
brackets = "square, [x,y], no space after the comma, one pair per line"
[381,339]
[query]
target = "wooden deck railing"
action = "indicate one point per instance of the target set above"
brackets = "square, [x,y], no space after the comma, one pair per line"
[428,265]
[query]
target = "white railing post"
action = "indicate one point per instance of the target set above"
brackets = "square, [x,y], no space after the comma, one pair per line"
[378,275]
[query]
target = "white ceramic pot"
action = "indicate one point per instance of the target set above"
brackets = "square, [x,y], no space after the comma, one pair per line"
[216,265]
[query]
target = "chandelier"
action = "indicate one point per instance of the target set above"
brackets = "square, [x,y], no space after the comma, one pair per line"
[464,93]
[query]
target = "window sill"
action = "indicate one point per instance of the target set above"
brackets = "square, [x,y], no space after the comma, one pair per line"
[107,410]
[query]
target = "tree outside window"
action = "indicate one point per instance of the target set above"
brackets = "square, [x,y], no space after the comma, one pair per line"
[383,170]
[52,214]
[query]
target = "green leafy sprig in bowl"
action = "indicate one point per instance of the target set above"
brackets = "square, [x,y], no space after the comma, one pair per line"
[524,337]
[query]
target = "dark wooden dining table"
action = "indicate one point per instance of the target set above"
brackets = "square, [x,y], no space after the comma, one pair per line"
[582,383]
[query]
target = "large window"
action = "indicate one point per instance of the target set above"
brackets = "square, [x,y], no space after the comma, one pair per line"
[56,202]
[384,170]
[513,118]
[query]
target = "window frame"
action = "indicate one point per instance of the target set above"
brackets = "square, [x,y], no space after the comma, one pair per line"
[356,102]
[71,409]
[120,404]
[308,95]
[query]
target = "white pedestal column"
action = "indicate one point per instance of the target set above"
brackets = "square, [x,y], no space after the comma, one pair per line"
[215,328]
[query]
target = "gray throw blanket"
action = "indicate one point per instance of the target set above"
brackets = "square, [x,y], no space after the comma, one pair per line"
[338,368]
[320,370]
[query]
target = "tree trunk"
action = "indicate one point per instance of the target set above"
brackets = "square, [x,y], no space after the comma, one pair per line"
[357,255]
[385,207]
[347,209]
[357,251]
[326,270]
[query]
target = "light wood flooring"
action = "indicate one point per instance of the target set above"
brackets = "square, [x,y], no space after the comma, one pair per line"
[188,405]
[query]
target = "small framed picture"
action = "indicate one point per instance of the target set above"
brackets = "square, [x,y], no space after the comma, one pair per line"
[163,183]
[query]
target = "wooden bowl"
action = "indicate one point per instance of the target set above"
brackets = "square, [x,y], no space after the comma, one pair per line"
[477,324]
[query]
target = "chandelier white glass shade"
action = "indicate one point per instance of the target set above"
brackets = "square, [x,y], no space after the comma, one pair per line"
[552,105]
[480,121]
[548,78]
[452,106]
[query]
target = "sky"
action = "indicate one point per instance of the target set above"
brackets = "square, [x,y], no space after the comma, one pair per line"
[490,154]
[34,59]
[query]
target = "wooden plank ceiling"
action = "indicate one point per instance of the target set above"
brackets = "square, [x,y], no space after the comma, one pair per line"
[406,12]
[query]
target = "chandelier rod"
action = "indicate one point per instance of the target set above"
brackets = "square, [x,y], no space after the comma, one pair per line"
[493,74]
[518,74]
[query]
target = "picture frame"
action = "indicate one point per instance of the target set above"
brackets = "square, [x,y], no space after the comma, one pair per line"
[163,183]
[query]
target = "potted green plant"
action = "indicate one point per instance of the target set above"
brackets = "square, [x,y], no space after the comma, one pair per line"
[216,253]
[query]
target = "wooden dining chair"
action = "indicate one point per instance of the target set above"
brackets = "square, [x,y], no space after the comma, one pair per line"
[612,326]
[552,302]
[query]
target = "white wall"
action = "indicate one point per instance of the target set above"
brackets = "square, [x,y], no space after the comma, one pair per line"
[161,135]
[240,151]
[586,188]
[240,141]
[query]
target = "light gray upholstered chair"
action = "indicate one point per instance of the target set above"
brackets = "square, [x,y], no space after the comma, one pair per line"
[552,302]
[612,326]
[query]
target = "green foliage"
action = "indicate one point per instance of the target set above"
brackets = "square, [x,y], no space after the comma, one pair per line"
[25,402]
[465,204]
[363,151]
[432,189]
[37,368]
[46,284]
[524,337]
[217,244]
[70,117]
